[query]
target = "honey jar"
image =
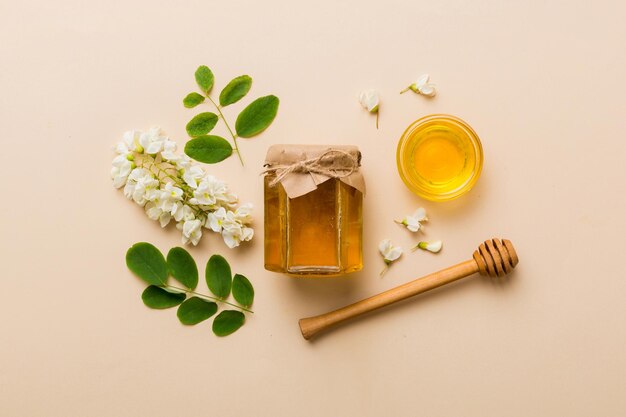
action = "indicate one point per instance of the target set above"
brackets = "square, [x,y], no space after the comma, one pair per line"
[313,209]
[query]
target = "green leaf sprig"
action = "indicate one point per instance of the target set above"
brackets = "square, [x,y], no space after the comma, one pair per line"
[149,264]
[252,120]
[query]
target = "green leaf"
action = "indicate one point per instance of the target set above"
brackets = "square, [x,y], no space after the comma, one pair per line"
[159,298]
[235,90]
[192,100]
[227,322]
[257,116]
[218,276]
[204,78]
[183,267]
[147,262]
[201,124]
[208,149]
[243,290]
[195,310]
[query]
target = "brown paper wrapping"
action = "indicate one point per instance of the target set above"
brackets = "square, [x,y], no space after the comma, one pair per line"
[299,183]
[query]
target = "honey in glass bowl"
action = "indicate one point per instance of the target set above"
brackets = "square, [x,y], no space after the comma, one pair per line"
[439,157]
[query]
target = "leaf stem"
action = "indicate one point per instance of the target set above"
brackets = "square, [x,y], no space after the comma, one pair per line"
[232,134]
[187,291]
[405,90]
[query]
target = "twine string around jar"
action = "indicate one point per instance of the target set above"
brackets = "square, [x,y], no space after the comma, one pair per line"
[315,165]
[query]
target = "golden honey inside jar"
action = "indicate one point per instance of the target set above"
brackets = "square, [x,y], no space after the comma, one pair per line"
[439,157]
[313,210]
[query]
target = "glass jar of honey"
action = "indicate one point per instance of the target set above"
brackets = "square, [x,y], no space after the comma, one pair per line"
[313,209]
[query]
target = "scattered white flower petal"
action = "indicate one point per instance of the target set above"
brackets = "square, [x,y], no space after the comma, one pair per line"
[422,86]
[389,252]
[370,100]
[433,247]
[414,222]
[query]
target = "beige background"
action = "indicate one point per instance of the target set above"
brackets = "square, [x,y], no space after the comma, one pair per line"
[542,82]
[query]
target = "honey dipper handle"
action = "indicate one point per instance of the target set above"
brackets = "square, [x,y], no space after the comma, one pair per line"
[312,325]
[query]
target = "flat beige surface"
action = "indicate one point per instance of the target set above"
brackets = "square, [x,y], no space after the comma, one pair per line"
[541,82]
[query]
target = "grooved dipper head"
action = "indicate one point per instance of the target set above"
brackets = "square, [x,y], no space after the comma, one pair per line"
[496,257]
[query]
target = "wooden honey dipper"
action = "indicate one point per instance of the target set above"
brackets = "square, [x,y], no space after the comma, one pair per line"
[494,257]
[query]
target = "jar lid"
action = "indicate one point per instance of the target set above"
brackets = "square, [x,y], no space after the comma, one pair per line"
[301,168]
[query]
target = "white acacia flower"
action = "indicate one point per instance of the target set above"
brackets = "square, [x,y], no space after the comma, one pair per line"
[204,195]
[414,222]
[168,198]
[169,151]
[139,185]
[220,191]
[152,141]
[123,162]
[164,219]
[186,213]
[370,100]
[171,192]
[236,234]
[192,174]
[120,170]
[182,162]
[389,252]
[244,213]
[233,229]
[212,192]
[192,231]
[154,212]
[216,219]
[129,143]
[433,247]
[422,86]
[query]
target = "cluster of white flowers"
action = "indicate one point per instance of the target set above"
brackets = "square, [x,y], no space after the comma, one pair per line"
[170,186]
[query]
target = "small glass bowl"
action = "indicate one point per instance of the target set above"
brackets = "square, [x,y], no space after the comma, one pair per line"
[458,135]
